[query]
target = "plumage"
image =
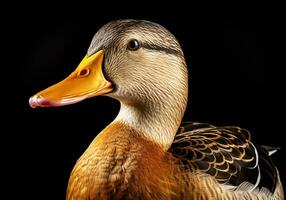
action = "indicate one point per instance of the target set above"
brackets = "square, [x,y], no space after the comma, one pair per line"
[145,153]
[226,153]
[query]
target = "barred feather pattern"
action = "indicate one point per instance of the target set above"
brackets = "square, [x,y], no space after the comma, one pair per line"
[226,156]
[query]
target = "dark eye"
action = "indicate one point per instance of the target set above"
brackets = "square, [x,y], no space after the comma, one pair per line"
[133,45]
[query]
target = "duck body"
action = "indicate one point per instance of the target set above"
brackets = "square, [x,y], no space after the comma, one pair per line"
[145,153]
[122,165]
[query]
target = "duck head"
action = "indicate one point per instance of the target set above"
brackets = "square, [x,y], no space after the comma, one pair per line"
[137,62]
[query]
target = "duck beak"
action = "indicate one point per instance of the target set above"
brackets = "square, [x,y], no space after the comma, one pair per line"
[85,82]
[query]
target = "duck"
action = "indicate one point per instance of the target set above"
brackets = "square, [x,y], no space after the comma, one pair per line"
[147,152]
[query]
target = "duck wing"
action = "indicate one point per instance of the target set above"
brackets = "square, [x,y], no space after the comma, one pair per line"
[226,153]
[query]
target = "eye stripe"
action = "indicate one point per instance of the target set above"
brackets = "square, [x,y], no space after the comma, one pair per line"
[162,48]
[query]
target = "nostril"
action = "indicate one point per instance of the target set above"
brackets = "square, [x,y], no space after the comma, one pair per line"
[83,72]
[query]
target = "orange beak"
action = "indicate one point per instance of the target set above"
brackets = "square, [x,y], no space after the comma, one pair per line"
[85,82]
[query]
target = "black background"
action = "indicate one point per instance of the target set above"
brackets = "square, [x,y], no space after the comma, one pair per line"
[230,59]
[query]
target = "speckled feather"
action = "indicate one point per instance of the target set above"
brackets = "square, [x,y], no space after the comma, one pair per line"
[226,153]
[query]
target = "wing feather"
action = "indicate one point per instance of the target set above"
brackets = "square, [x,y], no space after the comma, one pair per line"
[226,153]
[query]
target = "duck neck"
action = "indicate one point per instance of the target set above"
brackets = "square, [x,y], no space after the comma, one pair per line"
[157,120]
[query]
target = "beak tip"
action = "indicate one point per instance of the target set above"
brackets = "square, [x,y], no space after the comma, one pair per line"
[39,101]
[33,101]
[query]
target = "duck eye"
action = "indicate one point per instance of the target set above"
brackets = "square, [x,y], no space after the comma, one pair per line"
[133,45]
